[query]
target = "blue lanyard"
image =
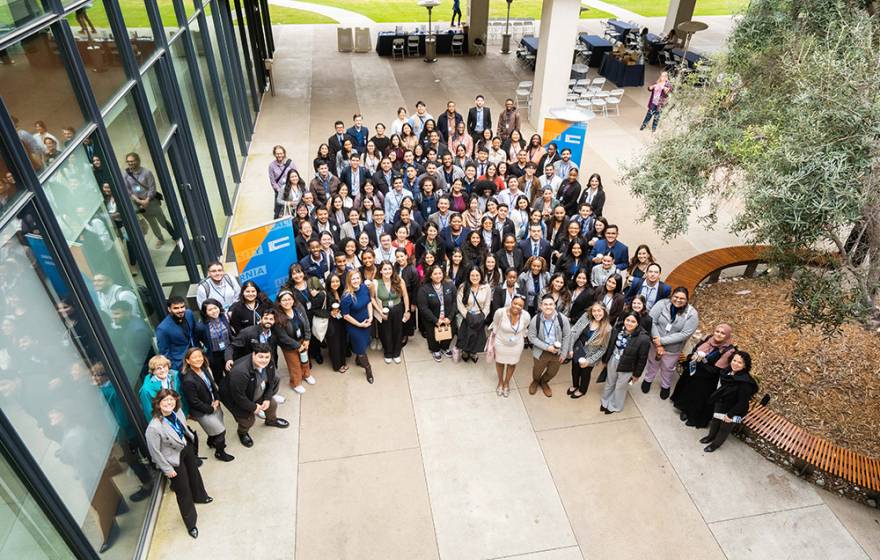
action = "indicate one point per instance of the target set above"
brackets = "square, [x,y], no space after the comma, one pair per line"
[175,424]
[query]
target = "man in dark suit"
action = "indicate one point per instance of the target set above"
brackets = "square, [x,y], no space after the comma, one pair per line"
[535,245]
[479,118]
[323,223]
[383,178]
[503,224]
[335,143]
[649,286]
[448,121]
[358,134]
[374,232]
[354,176]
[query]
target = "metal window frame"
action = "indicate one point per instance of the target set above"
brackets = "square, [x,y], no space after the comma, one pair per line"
[229,68]
[246,49]
[222,20]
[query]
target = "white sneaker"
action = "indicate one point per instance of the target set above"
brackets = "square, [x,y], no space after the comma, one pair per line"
[261,414]
[396,359]
[299,389]
[279,399]
[387,360]
[310,380]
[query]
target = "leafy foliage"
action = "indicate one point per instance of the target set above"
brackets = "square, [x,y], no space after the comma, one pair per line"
[787,123]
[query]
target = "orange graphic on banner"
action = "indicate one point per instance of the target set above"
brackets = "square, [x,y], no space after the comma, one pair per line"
[248,244]
[553,129]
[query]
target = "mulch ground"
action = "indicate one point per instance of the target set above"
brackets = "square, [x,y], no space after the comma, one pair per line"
[831,388]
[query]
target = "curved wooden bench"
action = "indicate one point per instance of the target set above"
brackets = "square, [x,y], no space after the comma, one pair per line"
[814,451]
[709,265]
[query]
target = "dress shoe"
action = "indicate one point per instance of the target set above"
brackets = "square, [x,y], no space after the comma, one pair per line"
[710,448]
[569,391]
[142,494]
[369,377]
[222,455]
[577,395]
[706,439]
[194,532]
[602,408]
[207,500]
[111,538]
[546,388]
[664,393]
[646,386]
[609,411]
[533,387]
[278,423]
[246,440]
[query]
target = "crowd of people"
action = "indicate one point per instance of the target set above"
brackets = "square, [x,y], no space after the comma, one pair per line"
[482,242]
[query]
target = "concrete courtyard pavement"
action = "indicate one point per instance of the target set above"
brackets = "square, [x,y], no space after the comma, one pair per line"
[428,462]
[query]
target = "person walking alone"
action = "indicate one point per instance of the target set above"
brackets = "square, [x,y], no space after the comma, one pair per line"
[658,98]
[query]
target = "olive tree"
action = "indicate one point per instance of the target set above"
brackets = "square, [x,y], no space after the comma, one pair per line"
[786,123]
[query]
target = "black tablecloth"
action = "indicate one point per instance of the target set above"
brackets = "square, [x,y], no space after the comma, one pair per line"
[622,27]
[530,43]
[444,42]
[691,57]
[623,75]
[598,46]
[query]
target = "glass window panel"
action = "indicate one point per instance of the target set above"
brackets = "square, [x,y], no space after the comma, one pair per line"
[98,50]
[59,399]
[226,85]
[39,96]
[169,18]
[244,52]
[157,106]
[215,107]
[17,13]
[200,136]
[25,531]
[9,186]
[127,136]
[82,201]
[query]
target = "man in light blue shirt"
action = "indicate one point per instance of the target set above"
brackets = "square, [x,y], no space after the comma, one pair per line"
[393,199]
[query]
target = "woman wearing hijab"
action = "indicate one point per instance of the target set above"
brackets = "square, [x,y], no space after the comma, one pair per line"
[700,376]
[731,400]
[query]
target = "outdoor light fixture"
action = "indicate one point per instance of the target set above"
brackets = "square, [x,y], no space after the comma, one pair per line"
[505,39]
[430,40]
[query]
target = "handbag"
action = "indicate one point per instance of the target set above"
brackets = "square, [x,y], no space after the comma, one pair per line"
[320,324]
[442,332]
[490,347]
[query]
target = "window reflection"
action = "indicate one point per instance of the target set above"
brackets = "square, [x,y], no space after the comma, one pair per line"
[9,189]
[36,90]
[15,14]
[57,394]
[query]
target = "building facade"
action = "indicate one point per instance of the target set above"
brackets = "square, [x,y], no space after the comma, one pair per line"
[124,127]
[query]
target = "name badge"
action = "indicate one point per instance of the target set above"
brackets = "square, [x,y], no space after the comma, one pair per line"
[669,327]
[298,333]
[511,339]
[222,346]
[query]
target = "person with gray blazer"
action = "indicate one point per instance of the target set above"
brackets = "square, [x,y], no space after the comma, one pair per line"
[550,335]
[172,447]
[675,320]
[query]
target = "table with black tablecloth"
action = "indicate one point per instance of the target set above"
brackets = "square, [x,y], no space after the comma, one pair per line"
[597,45]
[385,40]
[623,75]
[530,43]
[622,27]
[691,56]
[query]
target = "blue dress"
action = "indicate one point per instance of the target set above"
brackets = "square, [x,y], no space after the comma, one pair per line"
[356,305]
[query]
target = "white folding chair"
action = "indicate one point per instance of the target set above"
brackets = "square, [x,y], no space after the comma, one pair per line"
[617,92]
[583,82]
[584,103]
[412,45]
[458,44]
[397,47]
[599,106]
[612,102]
[599,82]
[526,84]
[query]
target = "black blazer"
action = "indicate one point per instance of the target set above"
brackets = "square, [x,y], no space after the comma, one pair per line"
[240,317]
[335,145]
[472,119]
[381,184]
[568,195]
[634,356]
[370,230]
[544,248]
[196,393]
[447,241]
[243,344]
[617,303]
[545,159]
[498,300]
[580,304]
[345,177]
[496,240]
[429,303]
[598,202]
[501,260]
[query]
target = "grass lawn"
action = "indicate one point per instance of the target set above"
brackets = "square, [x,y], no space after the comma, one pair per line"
[134,14]
[651,8]
[409,10]
[281,15]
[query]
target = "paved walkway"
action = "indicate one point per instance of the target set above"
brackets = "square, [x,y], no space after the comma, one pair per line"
[344,18]
[428,462]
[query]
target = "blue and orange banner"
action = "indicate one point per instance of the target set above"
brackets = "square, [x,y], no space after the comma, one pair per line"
[566,134]
[263,254]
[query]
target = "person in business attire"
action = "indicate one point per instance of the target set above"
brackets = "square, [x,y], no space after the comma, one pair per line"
[172,447]
[383,178]
[509,327]
[610,296]
[535,245]
[594,195]
[448,121]
[177,332]
[378,227]
[248,389]
[337,339]
[589,340]
[251,305]
[436,303]
[216,335]
[581,294]
[610,245]
[569,192]
[532,282]
[624,359]
[509,120]
[358,133]
[510,256]
[550,335]
[474,299]
[261,333]
[278,170]
[294,332]
[649,286]
[731,400]
[356,309]
[354,175]
[203,397]
[675,320]
[353,227]
[335,142]
[703,367]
